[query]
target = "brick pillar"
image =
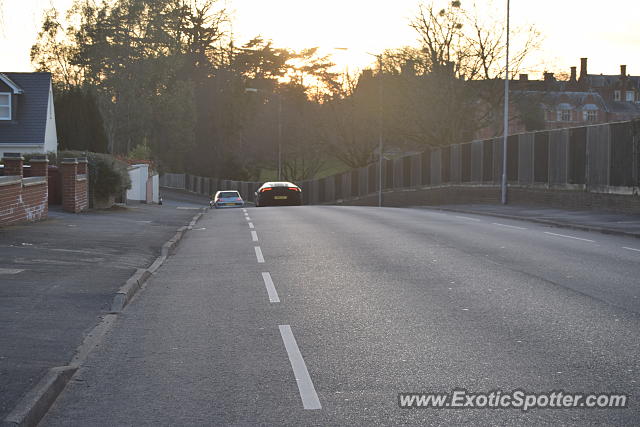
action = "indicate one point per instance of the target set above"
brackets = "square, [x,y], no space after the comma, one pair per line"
[69,169]
[82,166]
[39,165]
[12,164]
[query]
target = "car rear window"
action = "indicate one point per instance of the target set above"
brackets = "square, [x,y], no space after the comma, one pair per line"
[226,194]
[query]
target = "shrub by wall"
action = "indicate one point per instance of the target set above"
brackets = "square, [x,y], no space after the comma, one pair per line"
[108,176]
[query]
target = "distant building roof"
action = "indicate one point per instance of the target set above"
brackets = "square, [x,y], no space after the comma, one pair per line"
[598,81]
[30,124]
[567,100]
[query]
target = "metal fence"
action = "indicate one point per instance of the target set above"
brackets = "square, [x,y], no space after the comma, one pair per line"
[600,158]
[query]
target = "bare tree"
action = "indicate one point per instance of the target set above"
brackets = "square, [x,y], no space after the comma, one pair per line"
[462,57]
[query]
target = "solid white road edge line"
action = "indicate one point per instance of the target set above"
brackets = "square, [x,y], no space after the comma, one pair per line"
[250,225]
[568,237]
[271,289]
[259,254]
[508,226]
[254,236]
[631,249]
[466,217]
[305,385]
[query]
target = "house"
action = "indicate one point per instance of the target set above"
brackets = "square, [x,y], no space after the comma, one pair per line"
[609,98]
[27,116]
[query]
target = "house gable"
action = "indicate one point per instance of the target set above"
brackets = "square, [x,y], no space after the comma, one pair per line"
[30,112]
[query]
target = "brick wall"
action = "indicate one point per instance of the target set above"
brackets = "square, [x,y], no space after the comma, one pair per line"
[23,199]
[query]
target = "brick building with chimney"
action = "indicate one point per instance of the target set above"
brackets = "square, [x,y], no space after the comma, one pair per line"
[583,99]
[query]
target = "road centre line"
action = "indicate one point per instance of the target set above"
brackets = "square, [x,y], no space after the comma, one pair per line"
[259,254]
[254,236]
[568,237]
[247,218]
[244,210]
[631,249]
[466,217]
[271,289]
[305,385]
[250,225]
[509,226]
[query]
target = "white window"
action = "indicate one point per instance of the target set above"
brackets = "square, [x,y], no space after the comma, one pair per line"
[5,106]
[564,116]
[630,96]
[590,116]
[616,95]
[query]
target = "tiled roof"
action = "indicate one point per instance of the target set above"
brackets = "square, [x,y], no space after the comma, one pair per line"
[602,80]
[29,128]
[577,100]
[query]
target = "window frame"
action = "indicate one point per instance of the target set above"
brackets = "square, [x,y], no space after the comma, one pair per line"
[591,116]
[617,95]
[633,96]
[564,115]
[7,105]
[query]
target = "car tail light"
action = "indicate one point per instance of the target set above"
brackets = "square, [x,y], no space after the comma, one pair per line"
[294,188]
[266,189]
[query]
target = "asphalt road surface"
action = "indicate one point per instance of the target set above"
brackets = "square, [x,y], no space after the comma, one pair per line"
[321,315]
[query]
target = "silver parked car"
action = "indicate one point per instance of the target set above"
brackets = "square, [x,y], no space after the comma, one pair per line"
[226,199]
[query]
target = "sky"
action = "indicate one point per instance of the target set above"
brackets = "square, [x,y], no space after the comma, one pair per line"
[608,33]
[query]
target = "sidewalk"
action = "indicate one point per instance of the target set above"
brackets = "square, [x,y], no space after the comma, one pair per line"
[58,278]
[602,222]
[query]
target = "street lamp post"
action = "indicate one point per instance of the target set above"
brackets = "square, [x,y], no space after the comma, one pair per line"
[505,131]
[380,116]
[279,137]
[380,93]
[254,90]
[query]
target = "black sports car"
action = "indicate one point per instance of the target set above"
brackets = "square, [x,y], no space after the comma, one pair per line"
[278,194]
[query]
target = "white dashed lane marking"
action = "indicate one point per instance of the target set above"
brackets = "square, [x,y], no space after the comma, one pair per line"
[259,254]
[303,379]
[508,226]
[569,237]
[254,236]
[467,218]
[631,249]
[10,271]
[251,225]
[271,289]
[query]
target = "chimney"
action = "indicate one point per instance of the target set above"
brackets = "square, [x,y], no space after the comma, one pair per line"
[623,71]
[524,77]
[548,77]
[573,74]
[583,68]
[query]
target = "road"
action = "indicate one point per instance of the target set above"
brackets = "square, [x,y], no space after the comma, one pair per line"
[360,304]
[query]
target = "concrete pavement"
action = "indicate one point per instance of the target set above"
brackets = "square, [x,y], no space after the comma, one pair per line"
[59,277]
[588,220]
[378,302]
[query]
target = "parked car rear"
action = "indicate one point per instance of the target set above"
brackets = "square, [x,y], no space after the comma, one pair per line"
[278,194]
[226,199]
